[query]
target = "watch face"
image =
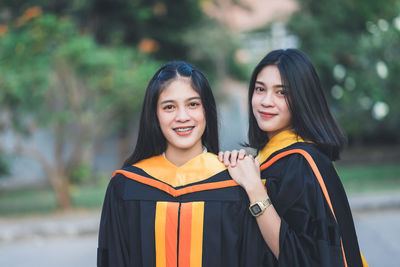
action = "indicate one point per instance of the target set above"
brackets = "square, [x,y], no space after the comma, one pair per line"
[255,209]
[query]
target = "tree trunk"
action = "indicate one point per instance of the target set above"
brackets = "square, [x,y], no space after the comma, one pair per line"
[60,185]
[59,177]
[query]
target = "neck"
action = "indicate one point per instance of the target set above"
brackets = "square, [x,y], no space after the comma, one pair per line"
[178,156]
[273,133]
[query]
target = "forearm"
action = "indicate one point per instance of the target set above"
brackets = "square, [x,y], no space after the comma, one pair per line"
[247,174]
[269,222]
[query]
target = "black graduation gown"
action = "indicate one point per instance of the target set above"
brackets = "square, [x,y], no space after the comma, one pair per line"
[137,206]
[309,234]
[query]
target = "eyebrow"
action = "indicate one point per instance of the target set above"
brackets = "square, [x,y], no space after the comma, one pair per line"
[275,86]
[189,99]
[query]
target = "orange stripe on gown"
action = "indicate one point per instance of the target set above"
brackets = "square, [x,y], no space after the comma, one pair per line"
[166,234]
[191,223]
[161,215]
[185,234]
[196,252]
[171,234]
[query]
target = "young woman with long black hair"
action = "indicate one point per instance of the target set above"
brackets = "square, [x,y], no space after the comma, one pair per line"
[174,203]
[302,210]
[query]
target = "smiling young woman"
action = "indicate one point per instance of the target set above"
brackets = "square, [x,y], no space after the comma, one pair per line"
[301,210]
[182,121]
[173,203]
[269,103]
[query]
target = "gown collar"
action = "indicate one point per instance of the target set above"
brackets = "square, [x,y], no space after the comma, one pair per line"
[195,170]
[277,142]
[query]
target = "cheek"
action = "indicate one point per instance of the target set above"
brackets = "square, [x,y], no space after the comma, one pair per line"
[200,116]
[254,103]
[163,118]
[285,108]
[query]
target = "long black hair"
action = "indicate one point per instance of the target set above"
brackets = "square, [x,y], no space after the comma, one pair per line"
[311,117]
[151,141]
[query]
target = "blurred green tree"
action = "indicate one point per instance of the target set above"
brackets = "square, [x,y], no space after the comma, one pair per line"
[155,26]
[54,78]
[166,29]
[355,47]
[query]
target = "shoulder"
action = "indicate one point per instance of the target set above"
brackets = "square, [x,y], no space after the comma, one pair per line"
[301,152]
[293,175]
[116,187]
[297,165]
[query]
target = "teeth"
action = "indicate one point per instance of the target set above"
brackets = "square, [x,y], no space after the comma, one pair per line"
[183,129]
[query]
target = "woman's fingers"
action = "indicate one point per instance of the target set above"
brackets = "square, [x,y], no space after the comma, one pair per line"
[221,156]
[242,154]
[230,158]
[234,155]
[227,156]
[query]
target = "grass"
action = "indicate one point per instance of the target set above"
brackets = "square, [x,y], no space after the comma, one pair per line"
[41,201]
[373,177]
[355,178]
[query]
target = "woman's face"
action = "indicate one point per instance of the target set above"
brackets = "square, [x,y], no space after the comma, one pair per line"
[181,116]
[269,103]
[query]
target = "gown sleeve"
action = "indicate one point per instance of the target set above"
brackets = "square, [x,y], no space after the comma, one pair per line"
[309,234]
[113,246]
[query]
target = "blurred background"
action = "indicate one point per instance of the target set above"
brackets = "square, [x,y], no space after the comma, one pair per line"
[73,75]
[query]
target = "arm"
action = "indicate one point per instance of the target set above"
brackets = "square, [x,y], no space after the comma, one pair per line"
[247,174]
[299,228]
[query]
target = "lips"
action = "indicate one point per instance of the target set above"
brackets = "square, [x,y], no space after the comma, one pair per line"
[182,131]
[267,115]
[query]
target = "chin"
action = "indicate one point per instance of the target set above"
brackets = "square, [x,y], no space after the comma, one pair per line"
[267,128]
[185,145]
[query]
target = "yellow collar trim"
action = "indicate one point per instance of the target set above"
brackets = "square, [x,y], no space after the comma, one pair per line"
[278,142]
[195,170]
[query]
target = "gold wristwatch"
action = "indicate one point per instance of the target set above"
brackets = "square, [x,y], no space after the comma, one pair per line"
[258,208]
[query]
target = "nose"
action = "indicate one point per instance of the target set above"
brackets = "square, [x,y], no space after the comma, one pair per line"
[182,115]
[267,100]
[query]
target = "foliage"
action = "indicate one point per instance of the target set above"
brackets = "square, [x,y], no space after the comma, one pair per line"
[355,47]
[156,26]
[52,72]
[165,29]
[54,78]
[212,47]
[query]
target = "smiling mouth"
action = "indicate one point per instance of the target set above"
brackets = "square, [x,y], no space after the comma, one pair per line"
[183,129]
[267,115]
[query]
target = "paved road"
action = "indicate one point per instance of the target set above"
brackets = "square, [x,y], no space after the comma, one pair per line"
[379,236]
[50,252]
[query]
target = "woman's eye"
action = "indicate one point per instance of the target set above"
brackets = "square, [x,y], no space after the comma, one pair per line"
[194,104]
[168,107]
[259,89]
[282,92]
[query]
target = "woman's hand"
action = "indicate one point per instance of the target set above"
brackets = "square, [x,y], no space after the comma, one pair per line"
[230,158]
[245,170]
[246,173]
